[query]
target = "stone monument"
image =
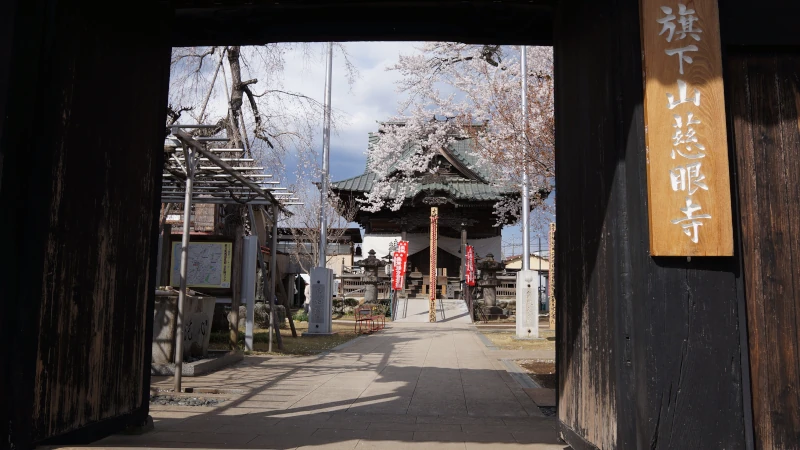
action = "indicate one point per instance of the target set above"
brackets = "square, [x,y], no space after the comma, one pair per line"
[488,280]
[371,264]
[527,304]
[321,304]
[198,310]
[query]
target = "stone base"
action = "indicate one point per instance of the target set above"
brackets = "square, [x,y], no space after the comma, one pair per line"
[200,367]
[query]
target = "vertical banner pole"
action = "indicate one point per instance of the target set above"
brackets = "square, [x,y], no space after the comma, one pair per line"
[552,276]
[434,245]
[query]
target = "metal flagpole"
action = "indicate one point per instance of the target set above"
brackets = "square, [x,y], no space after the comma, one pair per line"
[187,211]
[526,232]
[326,149]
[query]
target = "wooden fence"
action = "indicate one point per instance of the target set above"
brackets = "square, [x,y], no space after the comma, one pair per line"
[353,286]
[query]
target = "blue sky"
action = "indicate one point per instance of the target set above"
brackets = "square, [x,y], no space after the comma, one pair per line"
[372,98]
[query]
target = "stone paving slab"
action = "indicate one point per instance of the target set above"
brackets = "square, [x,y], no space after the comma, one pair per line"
[410,386]
[542,396]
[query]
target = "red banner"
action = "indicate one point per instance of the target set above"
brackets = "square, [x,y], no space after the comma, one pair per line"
[398,270]
[470,266]
[402,247]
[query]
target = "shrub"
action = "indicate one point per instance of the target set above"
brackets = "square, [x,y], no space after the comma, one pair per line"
[300,316]
[261,315]
[379,309]
[351,302]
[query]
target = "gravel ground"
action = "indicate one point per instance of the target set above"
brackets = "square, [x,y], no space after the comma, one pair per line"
[548,411]
[185,401]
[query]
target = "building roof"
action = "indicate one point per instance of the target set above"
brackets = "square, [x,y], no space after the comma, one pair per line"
[536,262]
[472,184]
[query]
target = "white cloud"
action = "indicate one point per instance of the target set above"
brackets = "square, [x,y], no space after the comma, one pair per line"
[373,96]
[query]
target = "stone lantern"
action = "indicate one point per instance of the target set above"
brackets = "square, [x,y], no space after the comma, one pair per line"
[371,264]
[488,281]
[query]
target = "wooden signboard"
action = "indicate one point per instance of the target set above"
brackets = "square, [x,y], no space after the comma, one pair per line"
[685,129]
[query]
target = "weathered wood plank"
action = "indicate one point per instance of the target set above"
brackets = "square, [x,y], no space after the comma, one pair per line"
[648,346]
[87,187]
[767,150]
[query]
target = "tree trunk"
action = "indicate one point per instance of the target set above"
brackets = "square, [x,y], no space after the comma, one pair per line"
[234,227]
[286,304]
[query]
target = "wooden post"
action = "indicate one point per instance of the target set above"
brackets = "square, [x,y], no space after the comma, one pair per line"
[552,276]
[403,237]
[434,246]
[290,302]
[236,231]
[165,265]
[273,279]
[463,273]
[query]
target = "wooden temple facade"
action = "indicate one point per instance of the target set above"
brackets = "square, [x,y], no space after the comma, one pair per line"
[465,198]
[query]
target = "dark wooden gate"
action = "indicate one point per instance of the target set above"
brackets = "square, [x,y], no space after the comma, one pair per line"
[765,93]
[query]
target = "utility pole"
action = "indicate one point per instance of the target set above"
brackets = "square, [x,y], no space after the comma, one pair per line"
[527,303]
[319,320]
[326,150]
[526,201]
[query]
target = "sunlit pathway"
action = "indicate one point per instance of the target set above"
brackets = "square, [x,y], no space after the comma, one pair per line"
[410,386]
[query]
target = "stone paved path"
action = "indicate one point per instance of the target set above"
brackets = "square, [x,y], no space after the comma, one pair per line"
[416,310]
[409,386]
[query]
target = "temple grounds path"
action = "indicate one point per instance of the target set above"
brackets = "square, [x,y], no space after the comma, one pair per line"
[413,385]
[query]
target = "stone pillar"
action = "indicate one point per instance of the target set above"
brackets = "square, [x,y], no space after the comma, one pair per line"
[490,294]
[371,293]
[527,304]
[488,281]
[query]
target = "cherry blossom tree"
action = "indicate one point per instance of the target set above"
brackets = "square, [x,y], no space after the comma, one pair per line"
[459,90]
[247,101]
[241,90]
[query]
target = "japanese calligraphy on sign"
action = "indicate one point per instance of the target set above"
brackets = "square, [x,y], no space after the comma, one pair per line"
[398,270]
[685,129]
[470,263]
[402,247]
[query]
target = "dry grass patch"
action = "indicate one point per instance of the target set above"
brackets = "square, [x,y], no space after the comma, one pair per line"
[299,346]
[543,372]
[504,340]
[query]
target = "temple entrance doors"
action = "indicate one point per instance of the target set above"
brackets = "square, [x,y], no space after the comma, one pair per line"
[420,262]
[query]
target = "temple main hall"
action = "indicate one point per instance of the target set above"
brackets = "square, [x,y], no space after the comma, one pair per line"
[465,197]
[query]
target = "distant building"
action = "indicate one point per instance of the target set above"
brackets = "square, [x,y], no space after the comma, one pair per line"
[300,245]
[540,265]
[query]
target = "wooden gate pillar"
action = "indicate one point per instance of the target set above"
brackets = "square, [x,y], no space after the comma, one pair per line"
[657,336]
